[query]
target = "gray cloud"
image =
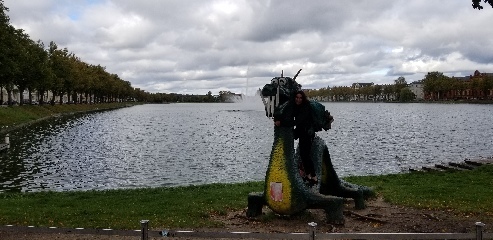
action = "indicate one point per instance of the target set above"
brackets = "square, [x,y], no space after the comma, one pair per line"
[198,46]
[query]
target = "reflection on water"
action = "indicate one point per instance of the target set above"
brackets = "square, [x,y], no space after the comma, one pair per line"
[182,144]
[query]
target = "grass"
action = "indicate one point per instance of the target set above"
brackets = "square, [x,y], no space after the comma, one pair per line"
[189,206]
[461,192]
[11,117]
[465,193]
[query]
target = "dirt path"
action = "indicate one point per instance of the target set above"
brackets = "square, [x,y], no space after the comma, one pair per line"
[378,217]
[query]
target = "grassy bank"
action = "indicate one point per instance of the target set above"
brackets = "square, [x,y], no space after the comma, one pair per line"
[122,209]
[10,117]
[462,192]
[465,192]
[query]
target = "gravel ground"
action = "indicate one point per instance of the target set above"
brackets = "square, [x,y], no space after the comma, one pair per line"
[378,217]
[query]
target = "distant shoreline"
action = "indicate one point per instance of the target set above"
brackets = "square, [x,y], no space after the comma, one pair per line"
[21,116]
[422,101]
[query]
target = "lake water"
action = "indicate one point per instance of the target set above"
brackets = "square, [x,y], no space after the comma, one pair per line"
[158,145]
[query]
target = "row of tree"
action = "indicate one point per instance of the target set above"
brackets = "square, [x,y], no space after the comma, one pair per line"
[224,96]
[435,86]
[26,65]
[439,87]
[29,65]
[387,92]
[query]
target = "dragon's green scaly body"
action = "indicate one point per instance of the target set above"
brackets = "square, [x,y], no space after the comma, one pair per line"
[284,191]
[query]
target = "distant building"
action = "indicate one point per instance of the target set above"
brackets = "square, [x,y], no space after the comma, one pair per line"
[467,91]
[356,86]
[360,96]
[417,88]
[479,93]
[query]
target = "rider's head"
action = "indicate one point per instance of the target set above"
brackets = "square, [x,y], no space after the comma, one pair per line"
[300,97]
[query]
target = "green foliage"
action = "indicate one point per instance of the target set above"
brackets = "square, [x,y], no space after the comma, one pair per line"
[476,4]
[4,18]
[27,65]
[191,206]
[436,84]
[406,95]
[399,84]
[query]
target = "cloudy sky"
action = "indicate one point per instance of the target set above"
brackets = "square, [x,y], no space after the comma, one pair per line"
[193,47]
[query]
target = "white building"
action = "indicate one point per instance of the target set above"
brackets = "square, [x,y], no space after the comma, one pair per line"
[417,88]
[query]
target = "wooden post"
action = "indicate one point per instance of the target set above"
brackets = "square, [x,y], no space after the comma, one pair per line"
[479,230]
[144,227]
[313,228]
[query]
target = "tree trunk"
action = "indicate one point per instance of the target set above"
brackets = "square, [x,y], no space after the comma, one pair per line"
[9,97]
[9,94]
[53,99]
[30,95]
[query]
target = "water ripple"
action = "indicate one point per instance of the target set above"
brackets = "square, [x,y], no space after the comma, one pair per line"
[183,144]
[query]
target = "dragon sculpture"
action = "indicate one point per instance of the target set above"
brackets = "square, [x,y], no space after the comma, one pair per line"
[285,193]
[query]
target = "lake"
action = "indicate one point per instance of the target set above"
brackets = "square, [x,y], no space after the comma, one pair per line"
[156,145]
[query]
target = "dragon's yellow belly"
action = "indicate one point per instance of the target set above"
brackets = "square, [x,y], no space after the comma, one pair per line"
[282,194]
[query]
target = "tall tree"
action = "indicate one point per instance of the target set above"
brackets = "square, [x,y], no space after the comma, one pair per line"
[389,92]
[486,85]
[59,65]
[376,90]
[7,51]
[23,50]
[435,84]
[399,84]
[27,65]
[37,71]
[406,95]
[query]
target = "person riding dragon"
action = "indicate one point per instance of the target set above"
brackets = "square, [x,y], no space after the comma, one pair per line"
[285,189]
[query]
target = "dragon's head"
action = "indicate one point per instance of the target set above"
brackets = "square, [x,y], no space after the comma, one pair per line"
[282,89]
[277,92]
